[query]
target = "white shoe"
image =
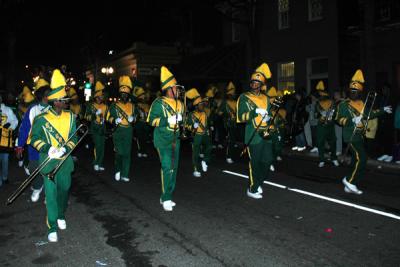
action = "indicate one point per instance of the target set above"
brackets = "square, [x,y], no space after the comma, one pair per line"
[62,224]
[321,164]
[338,153]
[201,156]
[254,195]
[356,192]
[204,166]
[220,146]
[351,187]
[260,190]
[139,155]
[301,148]
[167,205]
[87,146]
[36,194]
[196,174]
[278,158]
[144,155]
[125,179]
[117,176]
[314,150]
[295,148]
[388,159]
[383,157]
[53,237]
[20,163]
[172,203]
[101,169]
[272,168]
[398,162]
[229,161]
[96,168]
[335,162]
[27,171]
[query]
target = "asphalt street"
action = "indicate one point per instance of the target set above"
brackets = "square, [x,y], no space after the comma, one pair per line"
[214,223]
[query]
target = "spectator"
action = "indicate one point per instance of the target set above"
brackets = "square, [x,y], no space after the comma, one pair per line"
[338,97]
[299,118]
[310,128]
[396,149]
[8,123]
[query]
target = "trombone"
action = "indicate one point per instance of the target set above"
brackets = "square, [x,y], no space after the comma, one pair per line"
[371,95]
[33,175]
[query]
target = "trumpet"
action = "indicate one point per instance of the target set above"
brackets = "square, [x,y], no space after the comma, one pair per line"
[33,175]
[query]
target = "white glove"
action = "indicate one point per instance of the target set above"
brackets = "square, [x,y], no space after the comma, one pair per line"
[118,121]
[261,111]
[56,152]
[179,117]
[388,109]
[324,113]
[195,125]
[98,112]
[357,120]
[172,120]
[130,119]
[266,118]
[212,128]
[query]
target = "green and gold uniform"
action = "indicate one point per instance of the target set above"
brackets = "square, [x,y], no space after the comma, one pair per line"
[228,112]
[347,110]
[166,136]
[97,125]
[122,135]
[53,130]
[201,134]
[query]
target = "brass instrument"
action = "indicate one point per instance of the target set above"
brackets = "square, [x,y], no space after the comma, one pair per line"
[182,125]
[276,106]
[33,175]
[371,96]
[329,114]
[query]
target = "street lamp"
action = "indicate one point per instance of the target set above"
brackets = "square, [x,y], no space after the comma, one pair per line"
[107,70]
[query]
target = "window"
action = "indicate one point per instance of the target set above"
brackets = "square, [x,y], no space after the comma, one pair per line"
[286,76]
[283,14]
[314,10]
[383,9]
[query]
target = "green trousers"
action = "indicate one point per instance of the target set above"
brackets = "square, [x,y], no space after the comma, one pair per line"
[326,133]
[169,159]
[57,196]
[277,145]
[201,143]
[358,161]
[142,131]
[231,131]
[122,138]
[260,162]
[99,139]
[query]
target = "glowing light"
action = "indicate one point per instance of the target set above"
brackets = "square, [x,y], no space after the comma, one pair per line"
[110,70]
[103,70]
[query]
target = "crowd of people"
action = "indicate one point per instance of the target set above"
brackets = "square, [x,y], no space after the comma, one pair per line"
[260,122]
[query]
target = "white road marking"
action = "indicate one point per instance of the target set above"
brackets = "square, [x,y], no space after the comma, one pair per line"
[341,202]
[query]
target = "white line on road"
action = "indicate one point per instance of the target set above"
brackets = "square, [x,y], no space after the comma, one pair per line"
[344,203]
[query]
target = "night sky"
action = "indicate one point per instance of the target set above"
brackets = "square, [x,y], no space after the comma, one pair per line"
[67,32]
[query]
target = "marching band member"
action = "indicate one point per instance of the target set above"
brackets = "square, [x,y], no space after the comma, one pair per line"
[325,109]
[122,114]
[50,131]
[352,116]
[165,115]
[253,108]
[142,129]
[96,114]
[228,111]
[42,89]
[198,123]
